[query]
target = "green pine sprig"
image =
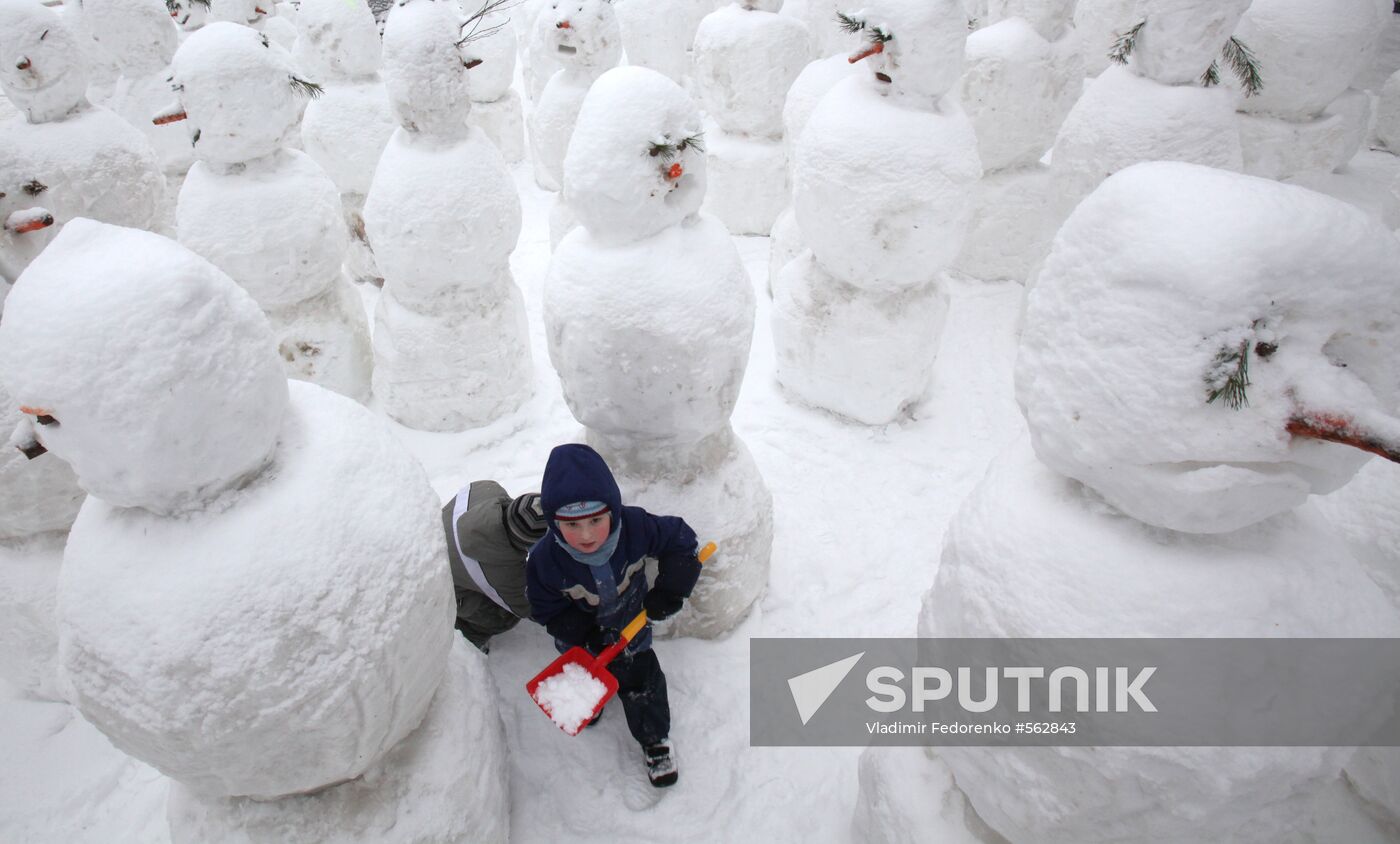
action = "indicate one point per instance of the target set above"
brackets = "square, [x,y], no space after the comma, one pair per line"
[1125,44]
[1211,77]
[667,150]
[1228,379]
[849,23]
[310,89]
[1246,68]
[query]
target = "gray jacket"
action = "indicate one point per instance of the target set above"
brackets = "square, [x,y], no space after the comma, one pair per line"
[479,550]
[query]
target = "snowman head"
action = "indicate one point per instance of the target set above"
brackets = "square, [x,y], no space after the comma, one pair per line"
[41,66]
[138,35]
[636,161]
[1178,41]
[911,48]
[337,39]
[427,63]
[585,34]
[244,12]
[1205,349]
[189,15]
[240,90]
[25,221]
[144,367]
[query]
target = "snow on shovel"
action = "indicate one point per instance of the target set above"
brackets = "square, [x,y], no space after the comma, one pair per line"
[574,688]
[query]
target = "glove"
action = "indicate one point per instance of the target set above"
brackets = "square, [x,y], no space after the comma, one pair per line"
[661,605]
[598,639]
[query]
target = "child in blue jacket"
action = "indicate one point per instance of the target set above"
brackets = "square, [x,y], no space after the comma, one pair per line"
[587,578]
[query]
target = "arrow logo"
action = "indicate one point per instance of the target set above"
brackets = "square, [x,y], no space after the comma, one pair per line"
[810,690]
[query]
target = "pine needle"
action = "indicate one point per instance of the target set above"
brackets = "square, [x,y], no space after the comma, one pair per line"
[34,187]
[1245,66]
[310,89]
[848,23]
[1211,77]
[1127,41]
[666,150]
[477,33]
[880,36]
[1229,377]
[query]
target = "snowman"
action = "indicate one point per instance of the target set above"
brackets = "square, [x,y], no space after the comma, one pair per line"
[218,619]
[883,175]
[74,159]
[258,14]
[649,318]
[267,215]
[1188,381]
[658,34]
[346,128]
[748,179]
[537,48]
[818,15]
[450,342]
[140,38]
[496,108]
[1160,99]
[188,15]
[1308,118]
[583,36]
[1012,89]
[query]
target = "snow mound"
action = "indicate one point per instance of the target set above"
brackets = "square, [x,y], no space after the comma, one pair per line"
[446,782]
[160,374]
[1160,288]
[269,644]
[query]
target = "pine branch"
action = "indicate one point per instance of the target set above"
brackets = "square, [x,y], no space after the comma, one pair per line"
[1127,41]
[1229,377]
[848,23]
[310,89]
[1211,77]
[34,187]
[488,8]
[972,24]
[880,36]
[1245,66]
[666,150]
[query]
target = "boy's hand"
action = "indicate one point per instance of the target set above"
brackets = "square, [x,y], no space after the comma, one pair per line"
[661,605]
[598,639]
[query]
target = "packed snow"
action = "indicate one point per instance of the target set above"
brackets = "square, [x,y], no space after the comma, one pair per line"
[570,696]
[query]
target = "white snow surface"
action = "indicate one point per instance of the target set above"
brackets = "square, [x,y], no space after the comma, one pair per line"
[138,34]
[1308,51]
[336,41]
[329,626]
[1388,114]
[812,83]
[570,696]
[745,61]
[236,87]
[617,189]
[1010,92]
[1051,18]
[55,81]
[447,781]
[1157,272]
[1182,37]
[346,129]
[1032,553]
[28,622]
[657,34]
[490,80]
[746,181]
[1098,23]
[881,191]
[195,403]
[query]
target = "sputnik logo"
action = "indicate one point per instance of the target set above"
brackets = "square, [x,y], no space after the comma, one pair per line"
[810,690]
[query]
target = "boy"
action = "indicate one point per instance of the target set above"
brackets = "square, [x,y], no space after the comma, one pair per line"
[587,578]
[488,535]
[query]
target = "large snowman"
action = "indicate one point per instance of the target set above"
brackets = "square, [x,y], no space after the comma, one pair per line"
[1157,100]
[748,173]
[450,342]
[346,128]
[252,598]
[883,176]
[268,215]
[1188,380]
[584,37]
[77,159]
[649,318]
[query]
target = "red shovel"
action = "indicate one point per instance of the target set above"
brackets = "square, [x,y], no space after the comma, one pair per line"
[595,666]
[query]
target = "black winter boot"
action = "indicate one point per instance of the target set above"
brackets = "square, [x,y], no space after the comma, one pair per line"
[661,763]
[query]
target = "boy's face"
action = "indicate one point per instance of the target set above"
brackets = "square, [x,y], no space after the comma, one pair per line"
[587,535]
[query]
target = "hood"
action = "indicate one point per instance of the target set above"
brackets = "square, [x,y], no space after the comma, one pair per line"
[576,472]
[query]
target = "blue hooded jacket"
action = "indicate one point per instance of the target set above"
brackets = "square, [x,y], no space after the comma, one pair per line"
[564,593]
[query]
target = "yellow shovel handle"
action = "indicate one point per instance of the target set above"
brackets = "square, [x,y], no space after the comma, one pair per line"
[635,626]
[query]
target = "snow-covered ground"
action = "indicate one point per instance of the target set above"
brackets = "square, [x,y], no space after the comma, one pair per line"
[860,514]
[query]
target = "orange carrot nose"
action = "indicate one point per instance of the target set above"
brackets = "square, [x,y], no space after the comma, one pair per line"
[34,411]
[259,10]
[877,47]
[562,25]
[676,171]
[23,64]
[169,117]
[34,225]
[174,13]
[1335,428]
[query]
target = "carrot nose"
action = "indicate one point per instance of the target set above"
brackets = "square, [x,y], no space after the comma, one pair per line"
[562,25]
[259,10]
[169,117]
[1335,428]
[174,14]
[675,172]
[23,64]
[33,225]
[877,47]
